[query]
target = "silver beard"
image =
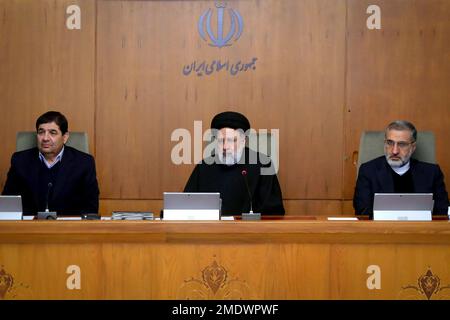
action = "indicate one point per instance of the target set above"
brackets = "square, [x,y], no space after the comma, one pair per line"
[397,163]
[230,159]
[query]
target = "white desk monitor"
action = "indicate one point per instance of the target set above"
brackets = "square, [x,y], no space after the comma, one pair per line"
[403,206]
[191,206]
[11,208]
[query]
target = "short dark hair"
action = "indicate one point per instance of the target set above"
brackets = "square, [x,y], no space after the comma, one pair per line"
[401,125]
[56,117]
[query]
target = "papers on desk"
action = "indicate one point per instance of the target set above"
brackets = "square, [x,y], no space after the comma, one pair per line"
[131,215]
[343,218]
[29,218]
[228,218]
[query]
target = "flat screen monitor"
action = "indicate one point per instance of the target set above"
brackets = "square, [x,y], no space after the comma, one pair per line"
[191,206]
[403,206]
[11,208]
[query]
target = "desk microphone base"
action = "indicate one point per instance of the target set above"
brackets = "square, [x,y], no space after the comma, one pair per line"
[251,216]
[46,215]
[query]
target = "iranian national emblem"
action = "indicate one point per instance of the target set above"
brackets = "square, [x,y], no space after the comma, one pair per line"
[222,38]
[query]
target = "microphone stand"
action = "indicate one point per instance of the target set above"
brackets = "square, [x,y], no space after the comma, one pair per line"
[249,215]
[47,215]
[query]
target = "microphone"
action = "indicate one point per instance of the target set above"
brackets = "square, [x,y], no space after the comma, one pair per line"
[251,215]
[244,174]
[47,215]
[49,186]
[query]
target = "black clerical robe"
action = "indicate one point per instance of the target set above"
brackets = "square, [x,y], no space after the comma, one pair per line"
[213,176]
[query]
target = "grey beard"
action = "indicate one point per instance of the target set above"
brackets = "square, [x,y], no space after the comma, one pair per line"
[397,164]
[230,159]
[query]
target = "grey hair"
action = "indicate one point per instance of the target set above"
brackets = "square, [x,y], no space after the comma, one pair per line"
[401,125]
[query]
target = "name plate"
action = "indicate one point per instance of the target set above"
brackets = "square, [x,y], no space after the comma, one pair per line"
[178,214]
[398,215]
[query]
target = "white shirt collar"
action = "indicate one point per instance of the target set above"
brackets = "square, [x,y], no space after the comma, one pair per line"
[403,169]
[57,159]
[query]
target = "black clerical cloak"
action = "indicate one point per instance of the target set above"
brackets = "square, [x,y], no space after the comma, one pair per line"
[229,181]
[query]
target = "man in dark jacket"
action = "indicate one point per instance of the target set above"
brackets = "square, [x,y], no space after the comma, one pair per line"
[53,175]
[397,172]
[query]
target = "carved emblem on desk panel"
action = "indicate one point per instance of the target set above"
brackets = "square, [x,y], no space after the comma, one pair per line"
[428,287]
[6,283]
[214,283]
[7,286]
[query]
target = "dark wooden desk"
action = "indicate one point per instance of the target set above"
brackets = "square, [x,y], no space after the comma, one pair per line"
[288,258]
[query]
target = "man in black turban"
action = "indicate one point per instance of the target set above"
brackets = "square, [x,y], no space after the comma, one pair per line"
[231,163]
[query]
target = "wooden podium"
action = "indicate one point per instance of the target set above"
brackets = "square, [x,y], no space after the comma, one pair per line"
[285,258]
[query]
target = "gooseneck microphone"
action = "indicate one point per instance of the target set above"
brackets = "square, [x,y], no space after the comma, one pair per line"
[49,186]
[251,215]
[47,214]
[244,174]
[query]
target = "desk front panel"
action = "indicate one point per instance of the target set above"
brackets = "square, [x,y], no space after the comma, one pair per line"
[285,259]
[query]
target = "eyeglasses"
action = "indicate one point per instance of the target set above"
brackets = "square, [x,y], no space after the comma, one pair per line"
[400,144]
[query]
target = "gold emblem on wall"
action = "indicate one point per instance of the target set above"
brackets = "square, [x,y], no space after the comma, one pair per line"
[214,283]
[428,286]
[7,287]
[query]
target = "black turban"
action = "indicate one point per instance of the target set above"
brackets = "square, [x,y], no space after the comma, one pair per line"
[230,119]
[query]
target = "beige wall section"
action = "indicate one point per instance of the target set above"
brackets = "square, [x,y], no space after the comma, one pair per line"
[44,66]
[321,78]
[399,72]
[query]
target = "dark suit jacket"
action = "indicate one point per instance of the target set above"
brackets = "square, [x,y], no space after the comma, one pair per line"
[74,191]
[375,177]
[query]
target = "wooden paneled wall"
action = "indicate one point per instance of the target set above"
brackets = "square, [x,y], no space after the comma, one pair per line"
[321,77]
